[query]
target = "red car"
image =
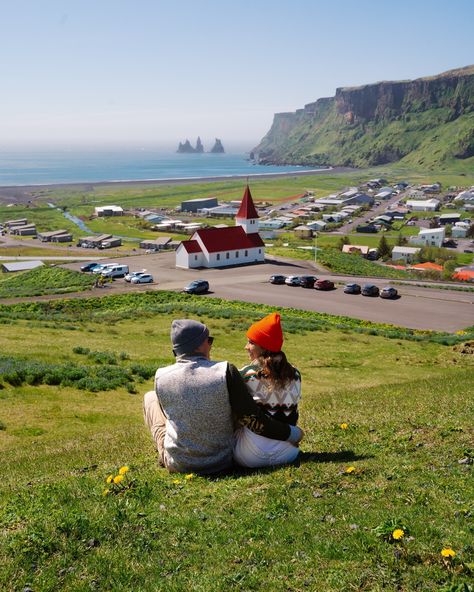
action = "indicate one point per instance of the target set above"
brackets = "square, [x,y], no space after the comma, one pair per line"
[324,285]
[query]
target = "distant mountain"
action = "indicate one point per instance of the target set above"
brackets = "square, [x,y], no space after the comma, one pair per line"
[428,122]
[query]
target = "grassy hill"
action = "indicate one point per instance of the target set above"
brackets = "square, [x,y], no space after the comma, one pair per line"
[326,523]
[426,123]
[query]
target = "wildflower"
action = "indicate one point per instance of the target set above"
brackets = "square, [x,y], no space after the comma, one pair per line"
[350,470]
[448,553]
[106,492]
[123,470]
[189,476]
[398,534]
[343,426]
[110,478]
[176,481]
[118,479]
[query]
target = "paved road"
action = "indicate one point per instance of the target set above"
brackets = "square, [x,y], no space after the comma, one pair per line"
[418,308]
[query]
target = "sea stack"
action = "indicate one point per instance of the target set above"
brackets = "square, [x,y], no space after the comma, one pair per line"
[218,148]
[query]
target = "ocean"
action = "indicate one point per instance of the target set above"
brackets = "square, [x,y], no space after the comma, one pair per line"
[52,167]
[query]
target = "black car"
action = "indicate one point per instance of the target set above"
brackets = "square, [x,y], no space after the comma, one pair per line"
[307,281]
[389,292]
[277,279]
[352,289]
[370,290]
[197,287]
[89,266]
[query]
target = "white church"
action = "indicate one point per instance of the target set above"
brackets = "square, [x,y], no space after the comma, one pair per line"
[220,247]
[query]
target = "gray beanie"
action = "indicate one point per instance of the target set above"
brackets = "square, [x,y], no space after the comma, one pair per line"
[187,336]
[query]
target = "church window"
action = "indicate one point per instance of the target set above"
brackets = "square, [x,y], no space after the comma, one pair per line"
[236,253]
[218,257]
[227,255]
[246,253]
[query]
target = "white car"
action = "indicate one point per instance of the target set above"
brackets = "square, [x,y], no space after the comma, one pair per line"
[132,274]
[143,278]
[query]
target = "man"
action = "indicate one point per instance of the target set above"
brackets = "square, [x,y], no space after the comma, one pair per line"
[191,412]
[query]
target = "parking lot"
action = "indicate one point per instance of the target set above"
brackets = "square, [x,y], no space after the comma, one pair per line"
[417,308]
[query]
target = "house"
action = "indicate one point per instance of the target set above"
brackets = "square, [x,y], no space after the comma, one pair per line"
[466,196]
[108,211]
[60,236]
[157,244]
[93,242]
[385,193]
[110,242]
[433,188]
[449,218]
[429,237]
[224,211]
[459,230]
[356,249]
[18,222]
[194,205]
[317,225]
[271,224]
[26,230]
[384,219]
[425,205]
[221,247]
[403,253]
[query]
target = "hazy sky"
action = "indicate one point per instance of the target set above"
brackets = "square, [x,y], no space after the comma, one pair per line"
[153,72]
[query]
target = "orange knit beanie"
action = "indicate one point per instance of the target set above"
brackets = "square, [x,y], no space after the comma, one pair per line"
[267,333]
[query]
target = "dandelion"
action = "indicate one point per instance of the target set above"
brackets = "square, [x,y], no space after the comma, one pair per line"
[350,470]
[448,553]
[344,426]
[176,481]
[106,492]
[189,476]
[123,470]
[110,478]
[398,534]
[118,479]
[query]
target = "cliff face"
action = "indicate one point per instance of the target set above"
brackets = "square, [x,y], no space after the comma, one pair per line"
[425,121]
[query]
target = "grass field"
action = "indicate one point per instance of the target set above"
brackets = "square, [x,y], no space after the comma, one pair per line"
[325,523]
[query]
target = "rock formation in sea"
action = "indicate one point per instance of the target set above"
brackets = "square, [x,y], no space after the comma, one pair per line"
[218,148]
[185,148]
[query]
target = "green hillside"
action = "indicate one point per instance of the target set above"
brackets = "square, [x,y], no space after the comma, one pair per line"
[427,122]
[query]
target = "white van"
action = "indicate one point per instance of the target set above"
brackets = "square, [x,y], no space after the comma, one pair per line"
[118,271]
[103,267]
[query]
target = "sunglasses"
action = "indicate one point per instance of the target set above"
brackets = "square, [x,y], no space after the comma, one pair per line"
[210,340]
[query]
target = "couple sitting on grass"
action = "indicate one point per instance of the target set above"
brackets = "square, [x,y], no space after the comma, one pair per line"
[205,415]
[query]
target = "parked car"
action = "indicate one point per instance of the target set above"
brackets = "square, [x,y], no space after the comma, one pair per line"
[197,287]
[277,279]
[324,285]
[89,266]
[352,289]
[117,271]
[307,281]
[102,267]
[370,290]
[292,280]
[133,274]
[468,251]
[388,292]
[143,278]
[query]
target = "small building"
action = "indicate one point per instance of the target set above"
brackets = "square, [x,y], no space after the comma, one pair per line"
[157,244]
[385,193]
[110,243]
[423,205]
[466,196]
[384,219]
[93,242]
[429,237]
[460,230]
[47,237]
[303,232]
[108,211]
[21,266]
[402,253]
[224,211]
[270,224]
[317,225]
[449,218]
[356,250]
[14,223]
[194,205]
[26,230]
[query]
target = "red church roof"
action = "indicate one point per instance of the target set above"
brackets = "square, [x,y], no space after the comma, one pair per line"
[227,239]
[191,246]
[247,209]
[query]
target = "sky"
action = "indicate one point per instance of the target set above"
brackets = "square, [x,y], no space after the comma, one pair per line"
[151,73]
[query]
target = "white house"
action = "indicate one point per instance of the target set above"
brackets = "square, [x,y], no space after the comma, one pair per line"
[459,230]
[109,211]
[466,196]
[404,253]
[424,205]
[429,237]
[221,247]
[317,225]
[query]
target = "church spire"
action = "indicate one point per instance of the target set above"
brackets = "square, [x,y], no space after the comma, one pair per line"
[247,209]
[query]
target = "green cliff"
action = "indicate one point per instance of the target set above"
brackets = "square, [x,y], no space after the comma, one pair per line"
[426,122]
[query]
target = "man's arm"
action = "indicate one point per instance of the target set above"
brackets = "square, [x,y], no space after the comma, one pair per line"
[252,416]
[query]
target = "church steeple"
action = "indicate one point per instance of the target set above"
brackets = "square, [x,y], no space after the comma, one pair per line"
[247,216]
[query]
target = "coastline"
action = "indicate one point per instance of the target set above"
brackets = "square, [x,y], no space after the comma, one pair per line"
[19,193]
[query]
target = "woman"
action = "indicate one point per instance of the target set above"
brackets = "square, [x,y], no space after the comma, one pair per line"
[276,385]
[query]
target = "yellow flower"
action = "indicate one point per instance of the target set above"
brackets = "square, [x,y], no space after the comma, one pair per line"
[176,481]
[189,476]
[118,479]
[398,534]
[123,470]
[448,553]
[106,492]
[343,426]
[110,478]
[350,470]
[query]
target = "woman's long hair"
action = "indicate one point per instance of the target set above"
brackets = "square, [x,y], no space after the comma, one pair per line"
[275,368]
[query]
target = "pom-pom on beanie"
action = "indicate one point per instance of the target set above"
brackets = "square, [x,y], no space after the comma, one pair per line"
[267,333]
